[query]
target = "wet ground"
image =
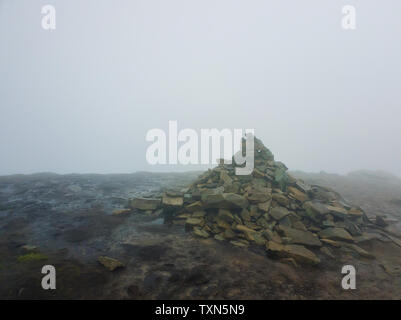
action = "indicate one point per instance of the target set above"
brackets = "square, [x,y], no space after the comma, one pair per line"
[68,219]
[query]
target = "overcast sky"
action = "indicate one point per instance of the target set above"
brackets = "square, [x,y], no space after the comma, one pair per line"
[81,98]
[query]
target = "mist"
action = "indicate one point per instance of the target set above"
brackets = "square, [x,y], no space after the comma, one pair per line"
[81,98]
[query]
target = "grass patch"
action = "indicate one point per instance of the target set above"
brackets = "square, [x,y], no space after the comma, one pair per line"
[31,257]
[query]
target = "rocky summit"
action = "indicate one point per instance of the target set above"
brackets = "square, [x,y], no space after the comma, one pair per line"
[269,209]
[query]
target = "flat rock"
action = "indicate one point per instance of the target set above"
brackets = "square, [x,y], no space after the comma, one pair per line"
[110,263]
[265,206]
[225,177]
[196,206]
[243,228]
[119,212]
[145,203]
[297,252]
[201,233]
[338,212]
[224,200]
[315,210]
[257,195]
[271,236]
[174,201]
[359,250]
[193,221]
[242,244]
[278,212]
[336,234]
[297,194]
[300,237]
[281,199]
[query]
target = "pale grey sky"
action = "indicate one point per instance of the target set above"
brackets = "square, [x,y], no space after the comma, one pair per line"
[82,97]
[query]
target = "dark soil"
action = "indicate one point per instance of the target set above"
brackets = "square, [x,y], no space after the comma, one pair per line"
[68,219]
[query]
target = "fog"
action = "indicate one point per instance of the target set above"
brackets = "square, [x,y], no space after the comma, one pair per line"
[81,98]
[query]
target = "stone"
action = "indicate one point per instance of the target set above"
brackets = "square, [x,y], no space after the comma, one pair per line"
[234,200]
[281,178]
[338,212]
[262,222]
[193,221]
[219,237]
[232,188]
[225,178]
[271,235]
[297,194]
[327,252]
[303,186]
[299,225]
[244,229]
[237,219]
[331,242]
[226,215]
[245,215]
[174,201]
[380,222]
[286,221]
[199,214]
[355,212]
[264,206]
[251,225]
[274,247]
[259,239]
[145,203]
[174,193]
[183,216]
[224,200]
[257,195]
[300,237]
[119,212]
[328,223]
[196,206]
[201,233]
[336,234]
[297,252]
[110,263]
[278,212]
[242,244]
[223,224]
[254,211]
[180,222]
[301,254]
[229,234]
[281,199]
[257,173]
[315,210]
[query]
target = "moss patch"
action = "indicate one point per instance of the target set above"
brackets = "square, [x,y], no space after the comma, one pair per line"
[31,257]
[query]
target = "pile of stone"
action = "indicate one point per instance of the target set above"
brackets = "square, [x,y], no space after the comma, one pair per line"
[269,208]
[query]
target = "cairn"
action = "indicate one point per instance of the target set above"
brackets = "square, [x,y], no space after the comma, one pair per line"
[268,208]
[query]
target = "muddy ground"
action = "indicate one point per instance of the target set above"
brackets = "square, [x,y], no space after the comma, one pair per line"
[68,219]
